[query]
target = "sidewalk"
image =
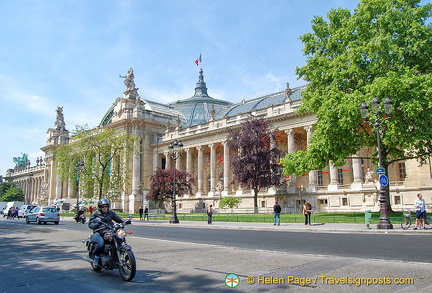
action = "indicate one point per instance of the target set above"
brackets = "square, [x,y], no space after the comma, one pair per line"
[297,227]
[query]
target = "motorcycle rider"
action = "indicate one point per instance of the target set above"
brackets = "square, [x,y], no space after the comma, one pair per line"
[103,214]
[78,215]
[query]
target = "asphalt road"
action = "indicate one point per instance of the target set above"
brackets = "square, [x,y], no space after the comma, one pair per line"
[37,258]
[362,245]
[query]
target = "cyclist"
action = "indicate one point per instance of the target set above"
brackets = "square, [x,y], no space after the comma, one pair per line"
[420,205]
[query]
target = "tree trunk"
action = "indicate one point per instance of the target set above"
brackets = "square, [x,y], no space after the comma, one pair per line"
[255,200]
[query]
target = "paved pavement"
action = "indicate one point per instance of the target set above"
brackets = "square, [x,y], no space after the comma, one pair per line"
[297,227]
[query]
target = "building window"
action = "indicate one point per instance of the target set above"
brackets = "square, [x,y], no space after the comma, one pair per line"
[263,204]
[397,199]
[344,201]
[402,172]
[323,201]
[320,178]
[180,205]
[340,177]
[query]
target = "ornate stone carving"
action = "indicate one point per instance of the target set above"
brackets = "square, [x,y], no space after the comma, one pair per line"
[131,91]
[60,124]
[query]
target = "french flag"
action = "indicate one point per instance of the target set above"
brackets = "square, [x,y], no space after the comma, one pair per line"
[198,61]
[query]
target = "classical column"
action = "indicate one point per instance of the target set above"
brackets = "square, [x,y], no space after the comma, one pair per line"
[58,189]
[200,171]
[357,173]
[155,160]
[178,162]
[71,189]
[167,160]
[188,160]
[334,184]
[313,173]
[291,147]
[212,147]
[227,169]
[136,174]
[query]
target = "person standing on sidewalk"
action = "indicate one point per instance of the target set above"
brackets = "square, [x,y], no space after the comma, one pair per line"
[140,211]
[209,214]
[146,215]
[420,205]
[307,210]
[276,213]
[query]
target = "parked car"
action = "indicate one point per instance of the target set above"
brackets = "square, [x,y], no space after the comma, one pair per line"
[43,215]
[23,211]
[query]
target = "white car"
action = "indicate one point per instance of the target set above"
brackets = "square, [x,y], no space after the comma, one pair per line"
[23,211]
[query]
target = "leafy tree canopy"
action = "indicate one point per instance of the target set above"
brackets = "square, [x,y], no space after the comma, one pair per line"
[104,154]
[230,202]
[10,192]
[381,50]
[162,184]
[255,162]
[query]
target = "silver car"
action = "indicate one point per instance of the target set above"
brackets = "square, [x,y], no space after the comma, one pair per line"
[43,215]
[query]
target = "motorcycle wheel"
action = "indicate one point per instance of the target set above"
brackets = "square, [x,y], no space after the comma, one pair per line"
[95,268]
[127,266]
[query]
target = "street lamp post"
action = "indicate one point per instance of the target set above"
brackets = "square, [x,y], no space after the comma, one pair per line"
[175,149]
[78,166]
[384,222]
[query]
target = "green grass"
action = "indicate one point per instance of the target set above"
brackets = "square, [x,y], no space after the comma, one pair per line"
[347,218]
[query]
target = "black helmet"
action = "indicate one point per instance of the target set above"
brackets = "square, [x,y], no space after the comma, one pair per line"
[103,202]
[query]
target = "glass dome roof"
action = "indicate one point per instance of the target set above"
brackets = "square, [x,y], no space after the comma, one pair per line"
[200,108]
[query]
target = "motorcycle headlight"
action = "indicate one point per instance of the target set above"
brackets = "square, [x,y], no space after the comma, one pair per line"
[121,233]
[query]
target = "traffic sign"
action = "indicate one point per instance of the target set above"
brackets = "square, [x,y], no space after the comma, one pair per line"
[383,180]
[380,171]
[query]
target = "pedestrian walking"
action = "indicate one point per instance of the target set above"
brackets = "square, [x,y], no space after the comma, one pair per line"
[209,214]
[420,205]
[276,213]
[146,213]
[307,210]
[140,211]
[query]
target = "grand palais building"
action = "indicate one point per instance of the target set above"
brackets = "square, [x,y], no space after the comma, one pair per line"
[202,124]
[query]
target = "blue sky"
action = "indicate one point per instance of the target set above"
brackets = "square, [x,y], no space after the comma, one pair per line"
[70,53]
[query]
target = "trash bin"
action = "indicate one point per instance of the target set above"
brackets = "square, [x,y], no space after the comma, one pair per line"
[368,216]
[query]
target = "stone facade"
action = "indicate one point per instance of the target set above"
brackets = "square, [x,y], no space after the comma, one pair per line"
[205,154]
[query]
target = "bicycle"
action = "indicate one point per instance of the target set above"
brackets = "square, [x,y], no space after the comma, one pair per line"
[408,220]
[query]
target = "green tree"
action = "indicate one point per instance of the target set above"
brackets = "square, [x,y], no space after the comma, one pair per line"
[105,154]
[255,163]
[4,186]
[381,50]
[10,192]
[230,202]
[162,184]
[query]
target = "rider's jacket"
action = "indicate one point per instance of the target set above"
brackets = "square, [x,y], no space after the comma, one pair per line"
[107,218]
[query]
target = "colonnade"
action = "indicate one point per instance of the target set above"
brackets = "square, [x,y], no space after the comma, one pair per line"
[204,162]
[31,186]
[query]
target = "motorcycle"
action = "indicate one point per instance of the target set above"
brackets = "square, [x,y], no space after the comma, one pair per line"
[116,254]
[80,218]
